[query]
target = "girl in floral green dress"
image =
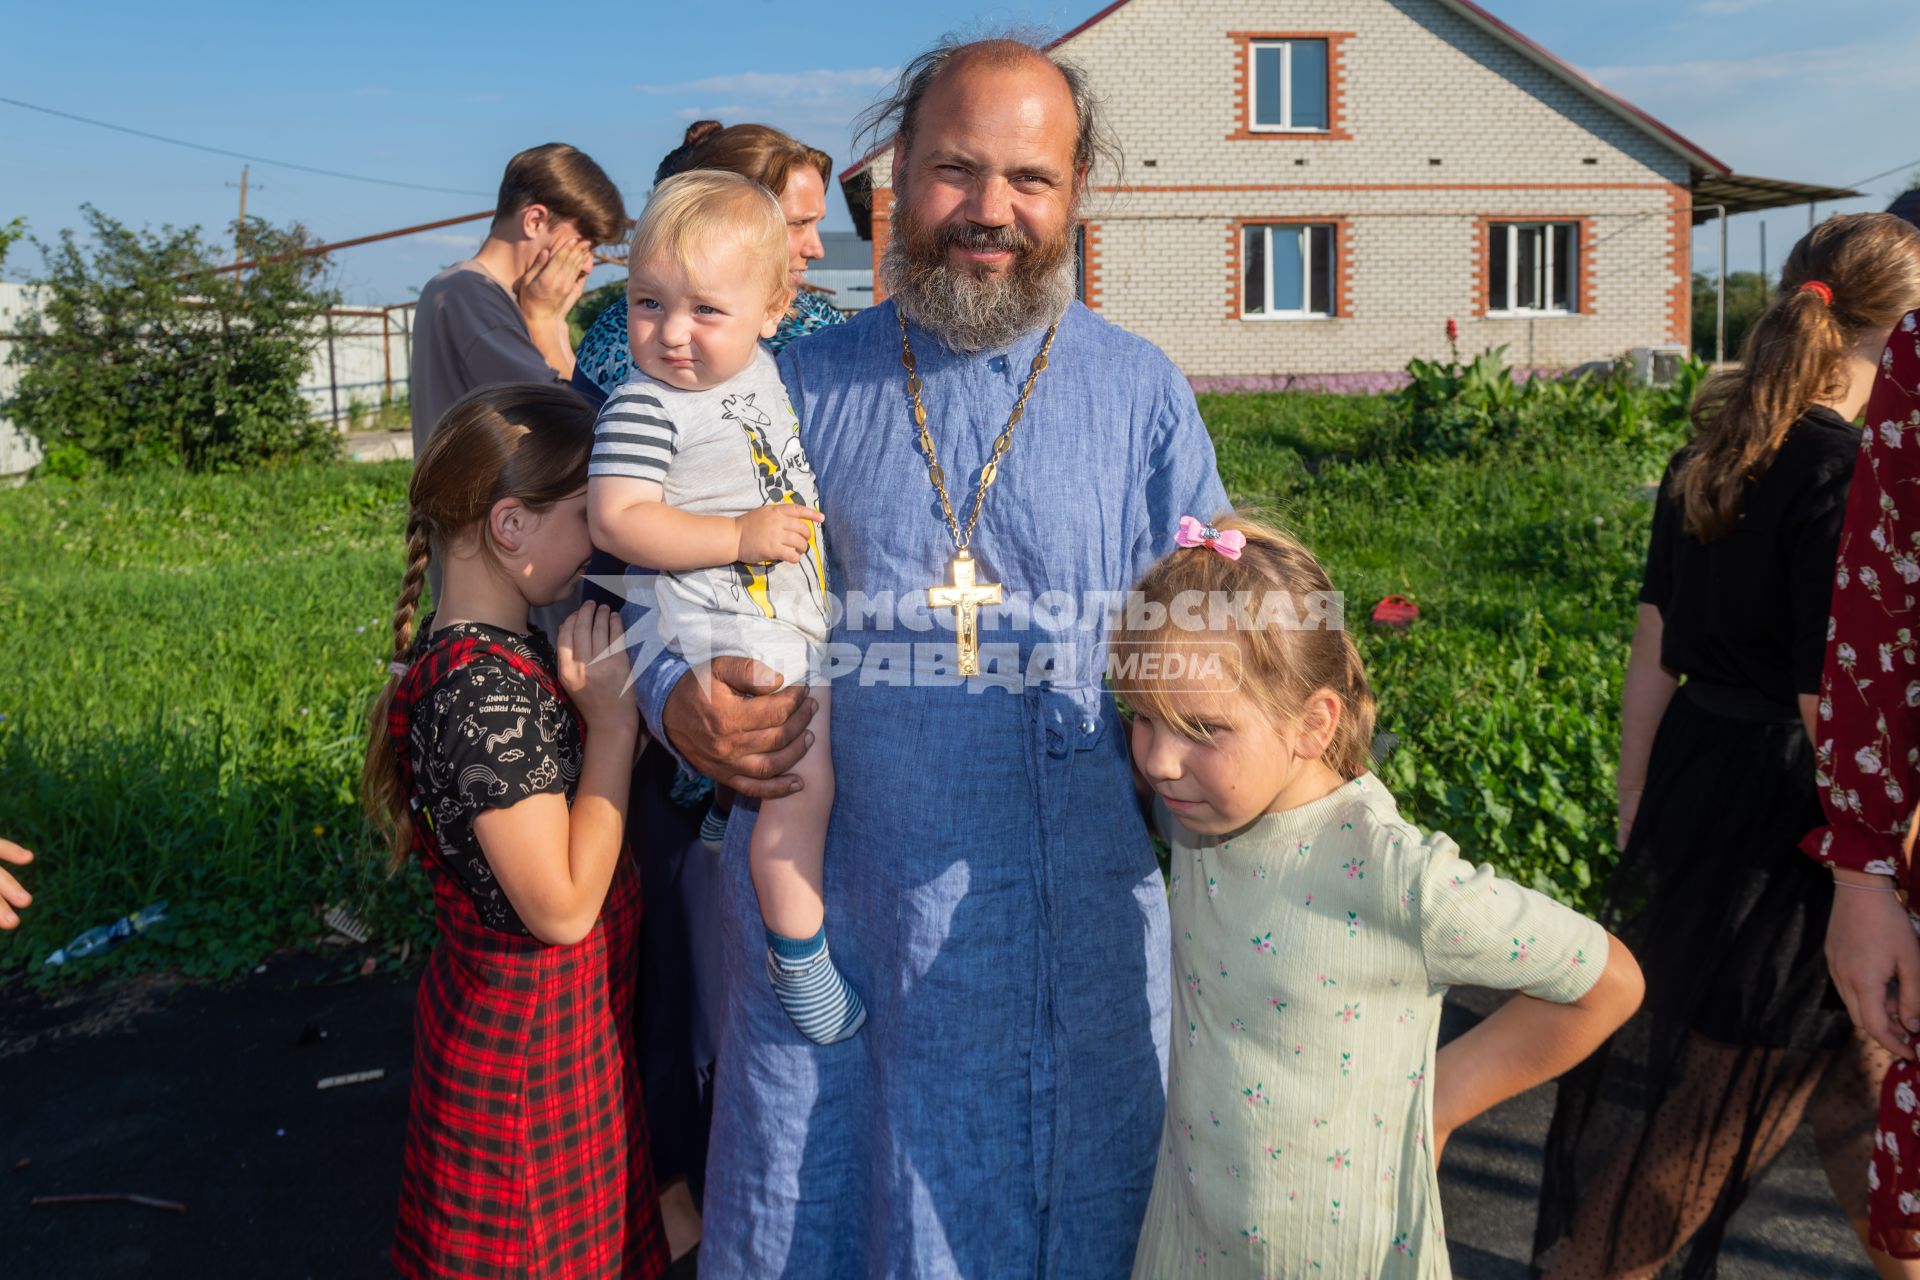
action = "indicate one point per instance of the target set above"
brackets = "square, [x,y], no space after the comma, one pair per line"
[1314,934]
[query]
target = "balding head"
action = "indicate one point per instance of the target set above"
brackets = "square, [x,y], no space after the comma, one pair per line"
[992,145]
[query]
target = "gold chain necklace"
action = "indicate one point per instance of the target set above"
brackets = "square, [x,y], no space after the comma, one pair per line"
[965,596]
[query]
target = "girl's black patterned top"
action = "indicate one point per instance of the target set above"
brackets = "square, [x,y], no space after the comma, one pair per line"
[486,736]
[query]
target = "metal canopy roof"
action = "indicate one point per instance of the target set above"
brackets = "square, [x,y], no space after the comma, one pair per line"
[1743,193]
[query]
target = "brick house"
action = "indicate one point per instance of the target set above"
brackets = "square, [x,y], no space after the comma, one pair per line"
[1313,188]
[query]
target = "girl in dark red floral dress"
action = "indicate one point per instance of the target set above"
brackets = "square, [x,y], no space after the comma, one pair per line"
[1870,774]
[503,766]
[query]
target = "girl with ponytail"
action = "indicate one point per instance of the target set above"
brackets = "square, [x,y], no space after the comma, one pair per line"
[1657,1141]
[1315,932]
[502,762]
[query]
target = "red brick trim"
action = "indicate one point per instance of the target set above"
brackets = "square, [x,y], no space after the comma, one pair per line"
[1588,301]
[1583,300]
[1091,239]
[1481,281]
[1680,266]
[882,233]
[1336,130]
[1342,260]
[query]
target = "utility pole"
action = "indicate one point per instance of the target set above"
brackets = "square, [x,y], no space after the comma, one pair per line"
[240,226]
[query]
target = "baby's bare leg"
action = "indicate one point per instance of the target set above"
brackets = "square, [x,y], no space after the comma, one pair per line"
[790,839]
[788,850]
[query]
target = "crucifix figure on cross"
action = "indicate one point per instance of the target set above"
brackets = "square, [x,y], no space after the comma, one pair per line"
[965,597]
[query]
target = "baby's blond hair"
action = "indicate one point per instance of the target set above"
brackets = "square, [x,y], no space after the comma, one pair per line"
[709,208]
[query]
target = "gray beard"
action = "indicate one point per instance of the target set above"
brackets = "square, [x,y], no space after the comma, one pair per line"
[970,313]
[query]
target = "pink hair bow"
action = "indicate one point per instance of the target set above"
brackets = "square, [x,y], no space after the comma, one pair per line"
[1194,534]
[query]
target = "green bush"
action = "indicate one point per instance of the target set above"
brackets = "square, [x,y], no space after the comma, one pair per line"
[141,355]
[1450,408]
[1746,299]
[591,304]
[10,235]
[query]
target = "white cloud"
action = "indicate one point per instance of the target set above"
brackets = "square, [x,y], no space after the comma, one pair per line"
[725,111]
[1716,76]
[448,239]
[782,86]
[1727,8]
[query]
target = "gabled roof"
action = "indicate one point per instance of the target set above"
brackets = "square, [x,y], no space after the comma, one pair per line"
[1493,26]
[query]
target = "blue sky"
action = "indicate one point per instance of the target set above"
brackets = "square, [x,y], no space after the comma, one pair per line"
[441,95]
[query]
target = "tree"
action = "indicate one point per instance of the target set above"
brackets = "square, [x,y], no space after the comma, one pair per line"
[9,234]
[141,354]
[1746,299]
[591,304]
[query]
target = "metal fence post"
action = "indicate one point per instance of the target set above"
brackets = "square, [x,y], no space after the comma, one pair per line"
[333,377]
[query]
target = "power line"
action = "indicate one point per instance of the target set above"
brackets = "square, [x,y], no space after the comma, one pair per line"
[241,155]
[1876,177]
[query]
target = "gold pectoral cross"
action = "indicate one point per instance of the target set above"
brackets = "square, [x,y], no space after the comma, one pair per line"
[965,597]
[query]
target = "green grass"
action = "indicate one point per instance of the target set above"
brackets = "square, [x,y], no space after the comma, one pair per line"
[192,656]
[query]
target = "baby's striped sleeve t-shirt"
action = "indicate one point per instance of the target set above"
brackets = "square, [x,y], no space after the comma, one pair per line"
[634,436]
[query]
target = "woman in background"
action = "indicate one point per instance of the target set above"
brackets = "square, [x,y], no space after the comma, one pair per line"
[796,173]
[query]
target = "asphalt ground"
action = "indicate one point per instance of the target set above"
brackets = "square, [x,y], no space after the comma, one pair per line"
[206,1097]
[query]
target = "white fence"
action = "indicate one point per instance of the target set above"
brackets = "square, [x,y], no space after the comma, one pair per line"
[19,452]
[361,358]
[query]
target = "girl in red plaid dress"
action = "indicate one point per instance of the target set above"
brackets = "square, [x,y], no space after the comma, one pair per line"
[503,766]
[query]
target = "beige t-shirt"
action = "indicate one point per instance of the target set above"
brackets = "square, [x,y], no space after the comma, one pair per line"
[1310,954]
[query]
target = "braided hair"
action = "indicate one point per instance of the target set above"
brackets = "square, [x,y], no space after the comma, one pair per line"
[527,441]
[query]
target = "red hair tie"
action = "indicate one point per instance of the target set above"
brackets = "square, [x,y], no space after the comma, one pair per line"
[1820,287]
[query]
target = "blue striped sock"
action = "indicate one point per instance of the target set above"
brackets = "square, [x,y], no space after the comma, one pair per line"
[713,828]
[811,990]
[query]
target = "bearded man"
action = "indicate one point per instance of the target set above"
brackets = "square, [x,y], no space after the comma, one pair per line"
[990,888]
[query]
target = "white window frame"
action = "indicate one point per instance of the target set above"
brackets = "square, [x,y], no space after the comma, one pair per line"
[1286,88]
[1504,306]
[1306,271]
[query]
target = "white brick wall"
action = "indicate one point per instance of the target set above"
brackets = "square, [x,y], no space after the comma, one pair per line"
[1420,83]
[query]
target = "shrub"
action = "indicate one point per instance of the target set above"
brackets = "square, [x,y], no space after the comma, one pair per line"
[1449,408]
[1746,299]
[10,234]
[141,355]
[591,304]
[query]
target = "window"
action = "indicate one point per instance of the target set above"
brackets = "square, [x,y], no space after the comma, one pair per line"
[1533,268]
[1287,271]
[1289,86]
